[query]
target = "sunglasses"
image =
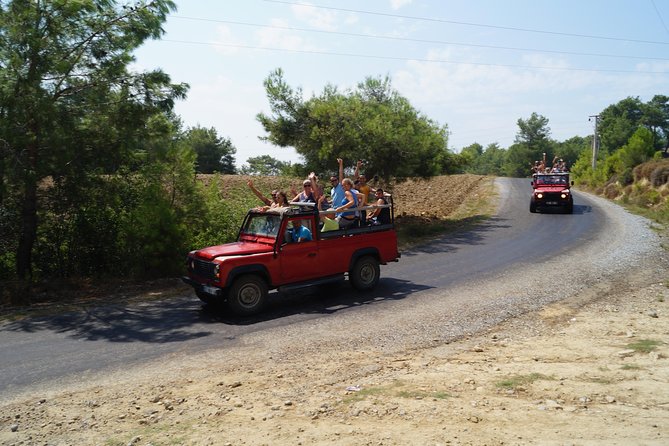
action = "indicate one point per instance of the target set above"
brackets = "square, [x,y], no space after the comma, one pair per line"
[306,185]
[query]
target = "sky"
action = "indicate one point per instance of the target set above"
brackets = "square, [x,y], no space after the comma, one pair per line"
[476,66]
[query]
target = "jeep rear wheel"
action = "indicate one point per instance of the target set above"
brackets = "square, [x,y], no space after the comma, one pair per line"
[247,295]
[365,273]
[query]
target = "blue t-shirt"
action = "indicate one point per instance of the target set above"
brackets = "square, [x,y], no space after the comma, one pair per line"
[300,232]
[338,196]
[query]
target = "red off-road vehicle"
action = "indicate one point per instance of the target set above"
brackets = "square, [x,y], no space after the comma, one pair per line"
[268,256]
[551,191]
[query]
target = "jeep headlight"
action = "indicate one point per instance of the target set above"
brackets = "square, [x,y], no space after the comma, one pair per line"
[217,270]
[563,195]
[540,195]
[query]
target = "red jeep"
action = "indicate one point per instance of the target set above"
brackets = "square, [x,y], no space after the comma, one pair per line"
[551,191]
[268,255]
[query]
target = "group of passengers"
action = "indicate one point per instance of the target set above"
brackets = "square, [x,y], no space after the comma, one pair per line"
[540,167]
[346,196]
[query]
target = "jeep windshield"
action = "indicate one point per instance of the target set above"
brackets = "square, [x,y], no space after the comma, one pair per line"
[557,180]
[260,226]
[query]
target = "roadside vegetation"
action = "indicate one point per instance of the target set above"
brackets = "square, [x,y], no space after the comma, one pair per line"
[101,181]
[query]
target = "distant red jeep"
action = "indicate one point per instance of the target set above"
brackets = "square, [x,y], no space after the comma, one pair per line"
[267,256]
[551,191]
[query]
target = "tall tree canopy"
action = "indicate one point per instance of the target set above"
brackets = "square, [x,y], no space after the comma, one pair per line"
[265,165]
[618,122]
[372,122]
[531,143]
[69,106]
[214,154]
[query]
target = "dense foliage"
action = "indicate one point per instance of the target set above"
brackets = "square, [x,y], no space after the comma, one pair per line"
[96,177]
[373,123]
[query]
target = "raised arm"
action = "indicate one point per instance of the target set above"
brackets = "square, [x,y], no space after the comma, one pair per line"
[315,187]
[341,169]
[258,194]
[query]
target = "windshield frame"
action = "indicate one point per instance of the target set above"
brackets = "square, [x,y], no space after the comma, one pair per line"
[260,227]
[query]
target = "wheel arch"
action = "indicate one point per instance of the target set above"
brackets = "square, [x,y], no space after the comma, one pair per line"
[257,269]
[370,251]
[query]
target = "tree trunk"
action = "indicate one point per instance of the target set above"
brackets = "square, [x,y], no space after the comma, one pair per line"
[26,240]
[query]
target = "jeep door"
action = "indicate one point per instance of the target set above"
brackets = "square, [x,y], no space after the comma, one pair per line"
[299,260]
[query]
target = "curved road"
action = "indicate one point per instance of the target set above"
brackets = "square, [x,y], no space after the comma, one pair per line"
[42,351]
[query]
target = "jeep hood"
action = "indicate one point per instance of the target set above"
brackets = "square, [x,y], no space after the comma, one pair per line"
[233,249]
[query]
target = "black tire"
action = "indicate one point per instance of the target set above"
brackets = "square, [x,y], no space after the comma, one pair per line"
[533,207]
[247,295]
[365,273]
[570,208]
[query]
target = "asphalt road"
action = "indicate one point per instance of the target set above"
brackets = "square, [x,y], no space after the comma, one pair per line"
[44,351]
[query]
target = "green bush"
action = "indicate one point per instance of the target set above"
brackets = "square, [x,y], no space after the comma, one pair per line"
[154,238]
[220,221]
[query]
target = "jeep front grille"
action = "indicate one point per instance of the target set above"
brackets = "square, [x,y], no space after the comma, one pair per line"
[202,268]
[552,196]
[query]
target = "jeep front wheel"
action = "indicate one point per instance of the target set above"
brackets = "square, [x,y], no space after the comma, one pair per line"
[247,295]
[365,273]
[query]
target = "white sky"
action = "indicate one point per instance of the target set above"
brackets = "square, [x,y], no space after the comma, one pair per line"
[475,65]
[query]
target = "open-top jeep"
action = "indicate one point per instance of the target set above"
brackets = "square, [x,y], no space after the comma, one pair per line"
[551,191]
[269,255]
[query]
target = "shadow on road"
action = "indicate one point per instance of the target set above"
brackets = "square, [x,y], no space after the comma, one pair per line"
[155,322]
[184,318]
[319,300]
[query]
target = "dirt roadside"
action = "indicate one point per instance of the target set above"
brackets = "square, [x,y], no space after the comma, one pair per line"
[592,369]
[596,374]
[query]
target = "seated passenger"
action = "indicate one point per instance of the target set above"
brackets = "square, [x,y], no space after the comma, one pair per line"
[280,200]
[345,218]
[300,233]
[363,190]
[308,195]
[262,198]
[328,223]
[380,215]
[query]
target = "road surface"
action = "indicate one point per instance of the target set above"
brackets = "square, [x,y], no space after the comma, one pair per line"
[45,351]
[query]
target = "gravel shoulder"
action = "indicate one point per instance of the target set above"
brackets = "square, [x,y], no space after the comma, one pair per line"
[514,361]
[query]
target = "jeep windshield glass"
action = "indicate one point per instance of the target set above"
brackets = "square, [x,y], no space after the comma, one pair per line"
[263,225]
[551,179]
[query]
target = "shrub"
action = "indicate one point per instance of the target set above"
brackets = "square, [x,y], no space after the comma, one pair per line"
[611,191]
[660,175]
